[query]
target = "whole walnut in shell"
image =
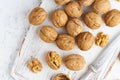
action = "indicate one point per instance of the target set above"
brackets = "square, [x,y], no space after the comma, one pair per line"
[74,27]
[86,2]
[37,16]
[65,42]
[48,34]
[59,18]
[85,41]
[74,62]
[61,76]
[101,6]
[62,2]
[92,20]
[112,18]
[73,9]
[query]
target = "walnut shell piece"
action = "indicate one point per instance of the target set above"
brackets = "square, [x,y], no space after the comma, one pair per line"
[62,2]
[59,18]
[92,20]
[73,9]
[65,42]
[86,2]
[74,62]
[37,16]
[101,6]
[61,76]
[53,60]
[48,34]
[85,41]
[112,18]
[74,27]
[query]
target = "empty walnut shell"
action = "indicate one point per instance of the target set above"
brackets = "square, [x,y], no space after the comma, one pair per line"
[86,2]
[59,18]
[85,41]
[65,42]
[37,16]
[54,60]
[61,76]
[48,34]
[74,62]
[74,27]
[62,2]
[92,20]
[112,18]
[73,9]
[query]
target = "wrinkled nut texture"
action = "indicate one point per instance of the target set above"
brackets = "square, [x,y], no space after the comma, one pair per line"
[61,76]
[74,27]
[74,62]
[73,9]
[65,42]
[85,41]
[112,18]
[92,20]
[37,16]
[101,6]
[59,18]
[86,2]
[35,65]
[62,2]
[48,34]
[54,60]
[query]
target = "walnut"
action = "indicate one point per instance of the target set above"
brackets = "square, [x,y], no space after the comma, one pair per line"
[112,18]
[101,6]
[73,9]
[65,42]
[101,39]
[35,65]
[85,41]
[62,2]
[61,76]
[59,18]
[37,16]
[74,27]
[74,62]
[48,34]
[86,2]
[92,20]
[54,60]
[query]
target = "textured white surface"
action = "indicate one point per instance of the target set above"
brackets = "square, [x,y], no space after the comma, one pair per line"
[14,24]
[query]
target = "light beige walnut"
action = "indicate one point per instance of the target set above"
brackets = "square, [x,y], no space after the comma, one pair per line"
[48,34]
[59,18]
[65,42]
[61,76]
[86,2]
[74,62]
[62,2]
[112,18]
[73,9]
[37,16]
[54,60]
[85,41]
[101,6]
[92,20]
[74,27]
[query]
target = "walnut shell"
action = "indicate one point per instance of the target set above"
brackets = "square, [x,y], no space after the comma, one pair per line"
[74,62]
[101,6]
[59,18]
[62,2]
[85,41]
[61,76]
[48,34]
[86,2]
[73,9]
[65,42]
[54,60]
[37,16]
[74,27]
[112,18]
[92,20]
